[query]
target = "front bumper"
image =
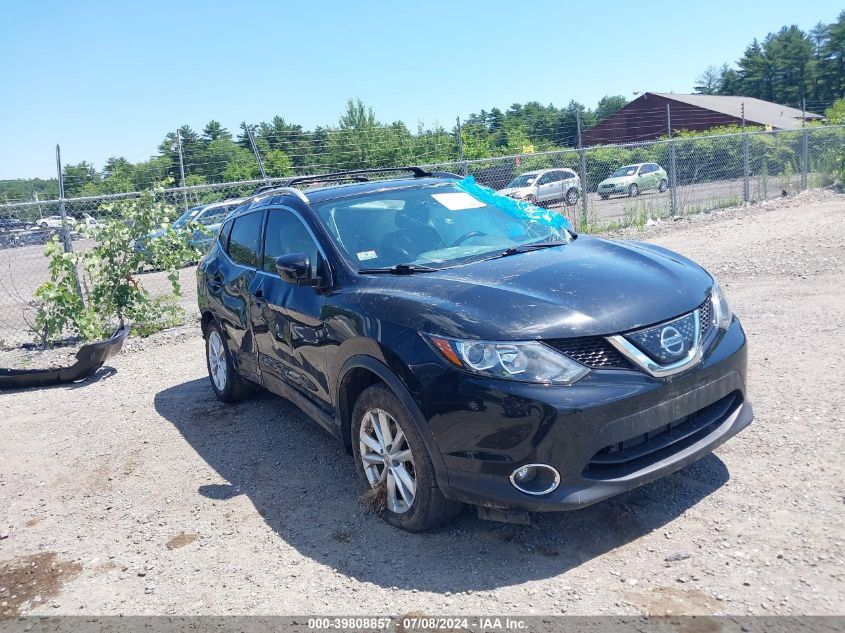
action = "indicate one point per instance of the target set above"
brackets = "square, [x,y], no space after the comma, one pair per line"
[612,431]
[608,190]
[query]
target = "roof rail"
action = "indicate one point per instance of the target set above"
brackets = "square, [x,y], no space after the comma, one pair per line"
[355,175]
[280,189]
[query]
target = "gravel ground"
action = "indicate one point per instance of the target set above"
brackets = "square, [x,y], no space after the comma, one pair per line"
[136,492]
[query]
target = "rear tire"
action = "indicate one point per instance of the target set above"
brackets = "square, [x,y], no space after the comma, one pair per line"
[571,197]
[663,186]
[389,434]
[225,380]
[633,191]
[604,196]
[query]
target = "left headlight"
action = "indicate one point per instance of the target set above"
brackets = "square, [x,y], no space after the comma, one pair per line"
[527,361]
[722,314]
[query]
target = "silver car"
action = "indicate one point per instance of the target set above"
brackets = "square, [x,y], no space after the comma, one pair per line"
[545,186]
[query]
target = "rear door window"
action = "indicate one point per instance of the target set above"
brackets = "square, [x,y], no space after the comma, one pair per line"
[223,237]
[245,238]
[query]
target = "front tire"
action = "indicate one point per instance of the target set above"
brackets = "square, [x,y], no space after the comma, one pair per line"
[633,191]
[390,456]
[225,380]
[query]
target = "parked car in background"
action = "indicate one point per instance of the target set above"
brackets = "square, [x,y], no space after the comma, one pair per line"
[53,222]
[630,180]
[467,349]
[545,186]
[89,221]
[208,216]
[13,224]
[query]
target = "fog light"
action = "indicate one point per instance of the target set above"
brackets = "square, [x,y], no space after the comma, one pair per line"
[525,474]
[535,479]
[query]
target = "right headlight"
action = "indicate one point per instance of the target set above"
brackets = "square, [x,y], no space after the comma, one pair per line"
[523,361]
[722,314]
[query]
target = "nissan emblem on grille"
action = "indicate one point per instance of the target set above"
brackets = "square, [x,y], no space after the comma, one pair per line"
[671,340]
[667,342]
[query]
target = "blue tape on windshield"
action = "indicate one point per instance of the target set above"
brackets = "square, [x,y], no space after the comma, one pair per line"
[516,208]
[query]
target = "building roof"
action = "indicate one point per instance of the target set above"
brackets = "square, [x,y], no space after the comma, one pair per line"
[757,111]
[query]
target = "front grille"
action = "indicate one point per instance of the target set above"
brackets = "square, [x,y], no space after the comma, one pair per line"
[706,317]
[591,351]
[640,451]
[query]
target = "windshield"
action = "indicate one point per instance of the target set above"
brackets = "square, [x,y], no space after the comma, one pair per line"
[437,225]
[525,180]
[186,217]
[206,215]
[628,170]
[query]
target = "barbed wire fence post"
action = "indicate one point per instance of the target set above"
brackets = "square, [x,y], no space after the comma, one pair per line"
[582,171]
[181,168]
[673,167]
[67,243]
[805,138]
[461,148]
[746,172]
[256,152]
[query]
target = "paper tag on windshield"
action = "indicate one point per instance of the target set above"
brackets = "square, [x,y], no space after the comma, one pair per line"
[365,255]
[457,201]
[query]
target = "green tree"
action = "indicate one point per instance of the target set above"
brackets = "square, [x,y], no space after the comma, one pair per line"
[608,105]
[80,179]
[213,131]
[709,82]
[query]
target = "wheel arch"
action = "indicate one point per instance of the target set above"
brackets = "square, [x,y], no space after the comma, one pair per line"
[205,320]
[358,373]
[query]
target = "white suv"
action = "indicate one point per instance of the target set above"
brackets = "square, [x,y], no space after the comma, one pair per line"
[545,186]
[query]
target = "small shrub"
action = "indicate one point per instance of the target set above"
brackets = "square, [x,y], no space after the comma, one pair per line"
[89,291]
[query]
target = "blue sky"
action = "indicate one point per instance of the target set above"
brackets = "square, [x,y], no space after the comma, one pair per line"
[111,79]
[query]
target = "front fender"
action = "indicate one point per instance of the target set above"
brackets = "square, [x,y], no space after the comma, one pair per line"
[386,375]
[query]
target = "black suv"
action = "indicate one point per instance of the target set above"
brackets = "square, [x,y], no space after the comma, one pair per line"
[471,348]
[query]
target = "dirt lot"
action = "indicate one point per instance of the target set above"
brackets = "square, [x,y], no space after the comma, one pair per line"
[137,493]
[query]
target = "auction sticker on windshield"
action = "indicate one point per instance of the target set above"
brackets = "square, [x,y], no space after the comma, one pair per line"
[457,201]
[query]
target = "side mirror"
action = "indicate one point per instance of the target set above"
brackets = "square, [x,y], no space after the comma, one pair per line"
[296,269]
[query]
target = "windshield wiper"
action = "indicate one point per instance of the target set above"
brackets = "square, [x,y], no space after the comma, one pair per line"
[523,248]
[399,269]
[526,248]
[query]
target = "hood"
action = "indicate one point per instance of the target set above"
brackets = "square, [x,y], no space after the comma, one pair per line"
[586,288]
[619,180]
[153,235]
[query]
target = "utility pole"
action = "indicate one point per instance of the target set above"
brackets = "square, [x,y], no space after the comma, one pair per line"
[746,172]
[673,171]
[181,167]
[257,154]
[461,148]
[582,169]
[66,241]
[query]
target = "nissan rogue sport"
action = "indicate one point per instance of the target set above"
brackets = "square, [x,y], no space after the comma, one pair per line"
[469,348]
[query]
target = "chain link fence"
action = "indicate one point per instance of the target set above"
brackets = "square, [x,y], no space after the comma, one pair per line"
[685,175]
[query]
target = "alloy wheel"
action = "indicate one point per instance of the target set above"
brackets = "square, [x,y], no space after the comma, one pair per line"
[387,459]
[217,360]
